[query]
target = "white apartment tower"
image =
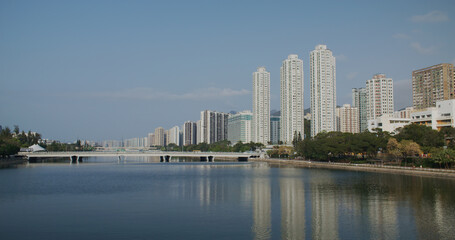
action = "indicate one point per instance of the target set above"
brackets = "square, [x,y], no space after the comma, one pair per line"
[261,106]
[292,114]
[379,91]
[173,136]
[323,90]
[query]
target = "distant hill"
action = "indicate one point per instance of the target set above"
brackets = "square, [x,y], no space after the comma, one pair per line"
[308,110]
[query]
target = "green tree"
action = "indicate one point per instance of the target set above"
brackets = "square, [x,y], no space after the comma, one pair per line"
[444,157]
[409,148]
[393,149]
[424,136]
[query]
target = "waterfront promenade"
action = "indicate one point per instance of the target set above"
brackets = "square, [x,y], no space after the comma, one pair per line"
[416,171]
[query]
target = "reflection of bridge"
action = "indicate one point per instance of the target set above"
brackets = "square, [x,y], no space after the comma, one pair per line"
[76,157]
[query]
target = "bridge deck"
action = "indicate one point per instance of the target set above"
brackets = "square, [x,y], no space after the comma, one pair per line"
[137,154]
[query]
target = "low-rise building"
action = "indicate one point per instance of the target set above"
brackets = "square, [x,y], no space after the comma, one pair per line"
[436,117]
[388,123]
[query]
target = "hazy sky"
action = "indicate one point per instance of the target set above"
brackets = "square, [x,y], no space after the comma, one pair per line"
[101,70]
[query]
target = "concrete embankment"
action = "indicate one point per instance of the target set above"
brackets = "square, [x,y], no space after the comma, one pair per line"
[415,171]
[11,162]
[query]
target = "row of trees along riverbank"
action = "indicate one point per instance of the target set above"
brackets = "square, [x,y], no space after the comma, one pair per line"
[12,141]
[221,146]
[414,145]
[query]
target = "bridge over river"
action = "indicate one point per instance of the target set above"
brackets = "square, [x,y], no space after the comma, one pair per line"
[76,157]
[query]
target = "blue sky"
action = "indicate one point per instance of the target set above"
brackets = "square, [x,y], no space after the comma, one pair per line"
[101,70]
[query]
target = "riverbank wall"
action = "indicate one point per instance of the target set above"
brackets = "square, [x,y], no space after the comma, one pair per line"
[11,162]
[415,171]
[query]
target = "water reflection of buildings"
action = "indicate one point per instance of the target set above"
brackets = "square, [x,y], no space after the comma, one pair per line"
[292,197]
[324,207]
[262,204]
[383,217]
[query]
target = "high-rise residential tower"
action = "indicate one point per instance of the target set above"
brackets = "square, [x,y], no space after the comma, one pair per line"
[189,133]
[431,84]
[323,90]
[159,137]
[359,101]
[173,136]
[214,126]
[379,92]
[261,106]
[292,111]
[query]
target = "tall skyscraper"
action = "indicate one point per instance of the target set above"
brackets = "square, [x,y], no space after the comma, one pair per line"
[214,126]
[379,92]
[359,101]
[292,111]
[323,90]
[261,106]
[239,127]
[431,84]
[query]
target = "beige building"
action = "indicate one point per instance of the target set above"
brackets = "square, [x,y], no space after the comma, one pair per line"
[347,119]
[403,113]
[431,84]
[159,137]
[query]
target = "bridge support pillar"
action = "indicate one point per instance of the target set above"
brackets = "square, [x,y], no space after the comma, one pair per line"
[75,159]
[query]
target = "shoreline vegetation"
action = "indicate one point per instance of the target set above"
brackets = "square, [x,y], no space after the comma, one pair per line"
[414,171]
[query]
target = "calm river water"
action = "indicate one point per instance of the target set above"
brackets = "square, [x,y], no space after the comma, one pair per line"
[143,199]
